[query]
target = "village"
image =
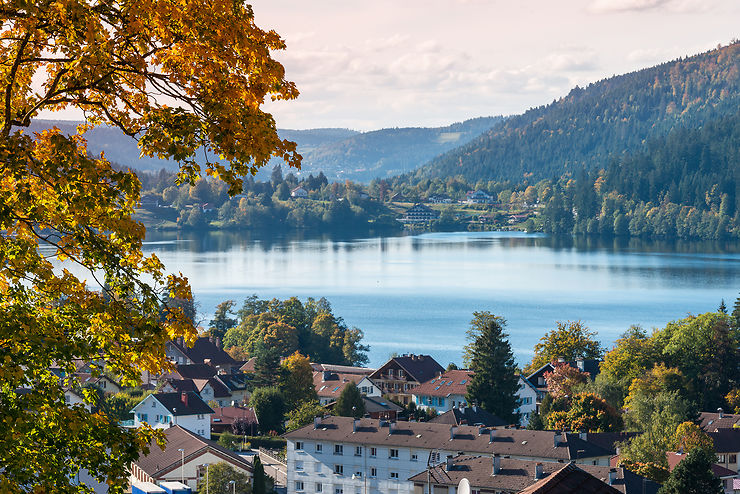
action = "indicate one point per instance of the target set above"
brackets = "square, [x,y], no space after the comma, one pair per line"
[417,432]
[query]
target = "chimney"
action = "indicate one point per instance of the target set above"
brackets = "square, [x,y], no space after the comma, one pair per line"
[184,398]
[491,435]
[538,474]
[453,430]
[448,465]
[316,422]
[391,428]
[612,475]
[207,361]
[583,436]
[720,412]
[579,364]
[496,464]
[355,423]
[218,342]
[475,408]
[556,438]
[210,338]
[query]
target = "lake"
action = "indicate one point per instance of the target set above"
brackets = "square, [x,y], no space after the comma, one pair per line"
[416,294]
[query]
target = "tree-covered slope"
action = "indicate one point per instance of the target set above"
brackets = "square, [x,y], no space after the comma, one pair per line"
[387,152]
[590,125]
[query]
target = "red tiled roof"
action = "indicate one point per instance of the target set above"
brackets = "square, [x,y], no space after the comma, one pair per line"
[453,382]
[570,480]
[711,421]
[330,384]
[718,470]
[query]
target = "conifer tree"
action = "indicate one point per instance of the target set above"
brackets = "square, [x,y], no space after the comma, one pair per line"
[494,384]
[349,403]
[693,475]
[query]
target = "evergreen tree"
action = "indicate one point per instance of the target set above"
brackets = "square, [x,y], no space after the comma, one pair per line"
[221,321]
[693,475]
[736,313]
[722,307]
[258,477]
[494,384]
[269,406]
[350,403]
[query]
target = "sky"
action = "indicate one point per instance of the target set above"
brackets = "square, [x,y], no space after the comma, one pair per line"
[398,63]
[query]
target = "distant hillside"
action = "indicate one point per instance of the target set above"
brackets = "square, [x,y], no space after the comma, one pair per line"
[389,152]
[591,125]
[339,153]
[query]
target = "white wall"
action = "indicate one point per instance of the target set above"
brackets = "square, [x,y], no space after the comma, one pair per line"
[190,470]
[528,402]
[158,417]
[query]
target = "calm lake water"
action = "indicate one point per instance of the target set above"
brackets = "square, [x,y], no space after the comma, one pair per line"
[416,294]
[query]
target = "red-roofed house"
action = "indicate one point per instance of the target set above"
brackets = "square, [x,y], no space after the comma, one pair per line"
[444,392]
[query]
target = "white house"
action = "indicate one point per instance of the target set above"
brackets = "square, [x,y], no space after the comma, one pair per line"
[368,388]
[341,455]
[299,193]
[72,397]
[164,410]
[527,395]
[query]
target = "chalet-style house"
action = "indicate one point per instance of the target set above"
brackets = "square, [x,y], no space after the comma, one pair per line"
[444,392]
[398,377]
[299,193]
[341,454]
[439,199]
[211,389]
[497,474]
[469,415]
[478,197]
[185,455]
[528,396]
[329,384]
[165,410]
[419,213]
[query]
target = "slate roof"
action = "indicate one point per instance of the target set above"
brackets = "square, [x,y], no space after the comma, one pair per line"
[609,440]
[191,371]
[711,421]
[343,369]
[469,416]
[419,368]
[160,461]
[235,382]
[515,475]
[182,385]
[205,348]
[513,442]
[220,390]
[375,404]
[726,440]
[570,479]
[453,382]
[173,401]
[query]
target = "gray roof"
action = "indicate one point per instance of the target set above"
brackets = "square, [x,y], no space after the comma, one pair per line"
[470,439]
[191,405]
[469,416]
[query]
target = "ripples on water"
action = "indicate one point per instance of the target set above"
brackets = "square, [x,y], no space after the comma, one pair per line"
[417,293]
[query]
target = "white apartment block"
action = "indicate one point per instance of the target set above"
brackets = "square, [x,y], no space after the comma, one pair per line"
[340,455]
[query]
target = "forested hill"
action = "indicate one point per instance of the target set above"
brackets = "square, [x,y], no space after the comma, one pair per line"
[387,152]
[590,125]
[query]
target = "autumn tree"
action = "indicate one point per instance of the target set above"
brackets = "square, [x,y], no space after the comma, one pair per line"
[488,354]
[562,380]
[586,412]
[689,436]
[182,77]
[633,354]
[297,383]
[569,340]
[220,478]
[221,321]
[304,415]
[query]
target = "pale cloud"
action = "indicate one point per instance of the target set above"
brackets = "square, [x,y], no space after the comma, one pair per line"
[676,6]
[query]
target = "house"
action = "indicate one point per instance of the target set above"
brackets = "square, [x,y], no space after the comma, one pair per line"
[570,479]
[329,385]
[205,350]
[343,454]
[498,474]
[248,366]
[224,418]
[444,392]
[537,378]
[299,193]
[726,475]
[185,456]
[398,197]
[478,197]
[102,382]
[710,421]
[376,408]
[369,388]
[469,415]
[727,446]
[528,396]
[439,199]
[74,397]
[240,386]
[164,410]
[400,375]
[419,213]
[210,389]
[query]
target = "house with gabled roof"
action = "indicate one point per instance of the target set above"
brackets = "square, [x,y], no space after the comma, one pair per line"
[210,389]
[537,378]
[504,475]
[299,193]
[528,396]
[398,377]
[419,213]
[184,456]
[712,421]
[329,385]
[205,350]
[164,410]
[469,415]
[225,417]
[443,392]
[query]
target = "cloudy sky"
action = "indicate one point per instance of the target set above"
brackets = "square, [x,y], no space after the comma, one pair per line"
[387,63]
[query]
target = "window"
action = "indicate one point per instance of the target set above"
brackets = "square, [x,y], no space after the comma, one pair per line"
[338,490]
[143,417]
[373,472]
[732,459]
[298,485]
[414,457]
[393,453]
[394,475]
[721,458]
[154,403]
[358,475]
[358,450]
[441,402]
[201,416]
[338,449]
[317,467]
[299,445]
[339,469]
[299,466]
[319,448]
[373,452]
[319,487]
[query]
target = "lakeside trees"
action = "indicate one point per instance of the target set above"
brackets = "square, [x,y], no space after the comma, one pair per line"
[114,61]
